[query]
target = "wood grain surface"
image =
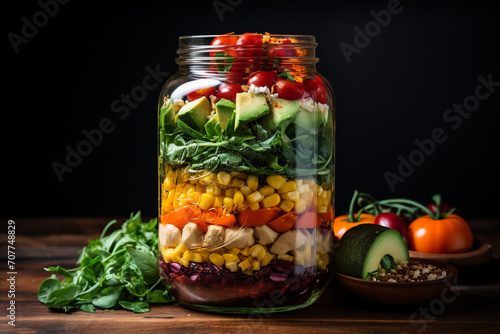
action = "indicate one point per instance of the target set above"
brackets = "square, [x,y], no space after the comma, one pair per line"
[44,242]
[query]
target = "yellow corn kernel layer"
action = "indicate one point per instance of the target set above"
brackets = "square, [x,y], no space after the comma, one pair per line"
[239,191]
[247,260]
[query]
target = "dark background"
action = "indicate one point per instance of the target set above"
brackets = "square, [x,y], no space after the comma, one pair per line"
[393,92]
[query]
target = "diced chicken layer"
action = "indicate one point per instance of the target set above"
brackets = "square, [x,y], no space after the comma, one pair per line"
[300,242]
[239,237]
[169,235]
[290,240]
[265,235]
[215,235]
[325,242]
[192,237]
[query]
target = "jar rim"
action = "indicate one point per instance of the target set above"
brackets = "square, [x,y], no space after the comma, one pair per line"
[306,37]
[197,50]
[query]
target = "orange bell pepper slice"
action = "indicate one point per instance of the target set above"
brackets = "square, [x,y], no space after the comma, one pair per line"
[284,223]
[259,217]
[309,220]
[182,216]
[328,216]
[219,216]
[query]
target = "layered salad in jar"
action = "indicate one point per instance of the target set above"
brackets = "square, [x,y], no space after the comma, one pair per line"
[246,182]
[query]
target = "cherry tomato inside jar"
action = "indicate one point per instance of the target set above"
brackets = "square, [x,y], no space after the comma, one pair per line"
[316,89]
[263,79]
[240,69]
[289,90]
[228,91]
[250,45]
[279,50]
[201,92]
[224,40]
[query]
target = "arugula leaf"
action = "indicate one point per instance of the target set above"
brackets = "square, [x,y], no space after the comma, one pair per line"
[61,271]
[63,296]
[189,131]
[159,296]
[137,307]
[48,285]
[115,271]
[88,308]
[147,264]
[111,296]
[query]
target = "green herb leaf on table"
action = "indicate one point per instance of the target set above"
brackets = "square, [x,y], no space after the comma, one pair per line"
[115,271]
[137,307]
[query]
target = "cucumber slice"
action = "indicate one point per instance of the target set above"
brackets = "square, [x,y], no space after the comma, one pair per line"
[363,247]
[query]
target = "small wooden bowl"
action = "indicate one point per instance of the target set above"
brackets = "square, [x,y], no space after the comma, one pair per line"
[479,255]
[404,293]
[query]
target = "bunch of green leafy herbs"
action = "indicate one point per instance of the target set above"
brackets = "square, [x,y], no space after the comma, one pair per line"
[289,151]
[115,271]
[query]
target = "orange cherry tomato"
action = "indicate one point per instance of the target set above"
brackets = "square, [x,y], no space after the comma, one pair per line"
[309,220]
[341,223]
[259,217]
[226,39]
[451,234]
[284,223]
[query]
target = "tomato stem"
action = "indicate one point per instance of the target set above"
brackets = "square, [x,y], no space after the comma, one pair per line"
[350,216]
[372,203]
[399,207]
[437,199]
[401,204]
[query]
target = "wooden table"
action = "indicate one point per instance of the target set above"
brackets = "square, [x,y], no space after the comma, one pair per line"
[44,242]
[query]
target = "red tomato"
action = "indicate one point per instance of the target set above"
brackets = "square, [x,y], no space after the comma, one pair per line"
[443,207]
[263,79]
[316,89]
[245,66]
[241,68]
[250,45]
[275,50]
[224,40]
[392,220]
[201,92]
[228,91]
[289,90]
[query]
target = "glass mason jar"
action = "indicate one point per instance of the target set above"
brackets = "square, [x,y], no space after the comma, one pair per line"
[246,174]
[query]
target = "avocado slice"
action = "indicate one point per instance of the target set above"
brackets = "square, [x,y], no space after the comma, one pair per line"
[309,119]
[250,107]
[195,113]
[225,109]
[282,113]
[362,248]
[167,115]
[210,127]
